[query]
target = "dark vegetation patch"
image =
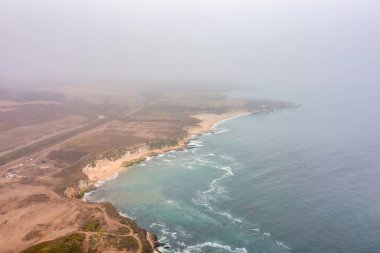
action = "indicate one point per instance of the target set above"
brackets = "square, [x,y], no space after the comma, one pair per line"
[121,242]
[122,231]
[92,225]
[35,198]
[67,244]
[35,233]
[157,144]
[130,163]
[69,176]
[66,155]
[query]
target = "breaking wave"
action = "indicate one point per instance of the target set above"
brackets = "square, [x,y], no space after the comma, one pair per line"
[202,247]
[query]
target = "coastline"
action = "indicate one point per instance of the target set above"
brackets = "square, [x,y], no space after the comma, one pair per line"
[106,170]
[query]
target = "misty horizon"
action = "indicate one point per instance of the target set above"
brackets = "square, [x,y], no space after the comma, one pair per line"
[190,43]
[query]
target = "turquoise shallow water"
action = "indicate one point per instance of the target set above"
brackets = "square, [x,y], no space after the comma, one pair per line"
[298,180]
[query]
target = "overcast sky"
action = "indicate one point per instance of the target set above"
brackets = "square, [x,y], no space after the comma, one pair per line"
[265,42]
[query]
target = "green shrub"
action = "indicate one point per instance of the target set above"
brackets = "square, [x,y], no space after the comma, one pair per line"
[68,244]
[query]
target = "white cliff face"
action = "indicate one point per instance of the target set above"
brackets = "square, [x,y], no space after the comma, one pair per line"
[105,168]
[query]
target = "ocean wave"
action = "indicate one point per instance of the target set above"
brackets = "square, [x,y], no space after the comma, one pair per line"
[102,182]
[204,161]
[195,143]
[205,197]
[126,215]
[164,231]
[221,131]
[282,245]
[99,183]
[230,217]
[201,248]
[266,234]
[214,186]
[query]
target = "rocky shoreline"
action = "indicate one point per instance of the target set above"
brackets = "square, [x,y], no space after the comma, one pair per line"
[104,169]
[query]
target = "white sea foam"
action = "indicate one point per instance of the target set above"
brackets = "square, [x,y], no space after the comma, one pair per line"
[282,245]
[99,183]
[102,182]
[204,197]
[164,231]
[195,143]
[126,215]
[230,217]
[221,131]
[204,161]
[203,246]
[266,234]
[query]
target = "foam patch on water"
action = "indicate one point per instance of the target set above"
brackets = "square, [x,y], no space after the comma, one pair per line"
[282,245]
[221,131]
[202,247]
[126,215]
[195,143]
[208,155]
[205,197]
[230,217]
[165,232]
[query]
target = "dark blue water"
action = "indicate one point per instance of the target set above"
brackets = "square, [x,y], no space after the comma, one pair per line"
[298,180]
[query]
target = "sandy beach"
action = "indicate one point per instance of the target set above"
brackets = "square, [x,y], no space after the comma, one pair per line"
[105,169]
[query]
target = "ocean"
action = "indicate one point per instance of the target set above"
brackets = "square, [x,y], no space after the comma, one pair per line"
[303,179]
